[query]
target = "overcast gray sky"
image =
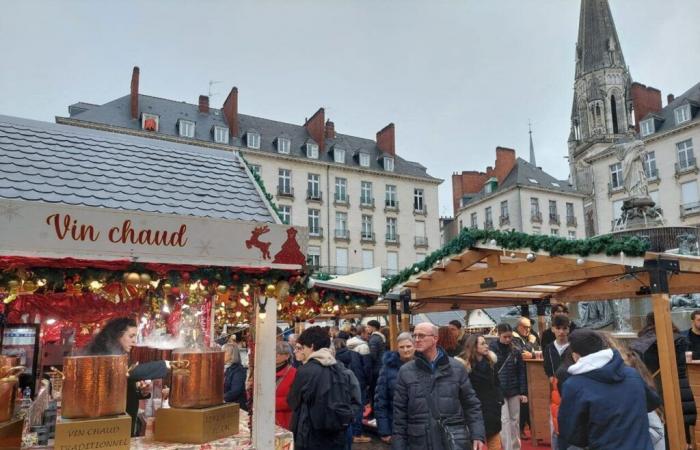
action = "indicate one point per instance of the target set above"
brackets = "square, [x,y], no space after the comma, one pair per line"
[458,78]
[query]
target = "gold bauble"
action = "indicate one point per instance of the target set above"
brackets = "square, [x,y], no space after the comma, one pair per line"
[78,287]
[270,290]
[29,286]
[167,287]
[133,278]
[282,290]
[221,289]
[145,278]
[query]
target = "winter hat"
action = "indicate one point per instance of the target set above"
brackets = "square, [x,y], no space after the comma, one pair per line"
[375,324]
[584,342]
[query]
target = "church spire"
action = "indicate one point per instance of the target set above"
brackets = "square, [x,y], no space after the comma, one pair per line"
[598,46]
[532,147]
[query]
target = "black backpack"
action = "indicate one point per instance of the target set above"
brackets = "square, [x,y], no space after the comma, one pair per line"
[332,409]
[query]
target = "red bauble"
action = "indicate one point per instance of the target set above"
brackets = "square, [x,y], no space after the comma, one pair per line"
[205,283]
[186,276]
[175,290]
[311,321]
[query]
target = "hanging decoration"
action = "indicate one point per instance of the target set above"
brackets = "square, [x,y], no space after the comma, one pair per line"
[509,240]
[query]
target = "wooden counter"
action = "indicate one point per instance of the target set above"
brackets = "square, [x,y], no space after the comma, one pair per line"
[538,397]
[694,379]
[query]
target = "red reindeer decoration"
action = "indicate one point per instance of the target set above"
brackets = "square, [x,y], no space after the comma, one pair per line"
[264,247]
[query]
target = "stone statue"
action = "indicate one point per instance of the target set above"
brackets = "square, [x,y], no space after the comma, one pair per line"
[631,155]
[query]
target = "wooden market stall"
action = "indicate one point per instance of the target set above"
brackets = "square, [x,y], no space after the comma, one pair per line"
[482,269]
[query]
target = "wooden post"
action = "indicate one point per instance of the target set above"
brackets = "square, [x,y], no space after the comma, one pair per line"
[393,325]
[405,314]
[264,374]
[669,371]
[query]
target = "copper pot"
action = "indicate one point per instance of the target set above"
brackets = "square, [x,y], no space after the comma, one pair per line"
[142,354]
[94,386]
[198,379]
[8,390]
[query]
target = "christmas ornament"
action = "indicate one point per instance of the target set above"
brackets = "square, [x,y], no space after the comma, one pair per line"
[531,257]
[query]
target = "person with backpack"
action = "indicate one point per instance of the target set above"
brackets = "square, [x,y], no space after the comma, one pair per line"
[353,361]
[435,406]
[325,396]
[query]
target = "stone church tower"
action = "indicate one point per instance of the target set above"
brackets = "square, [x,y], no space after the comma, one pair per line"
[602,106]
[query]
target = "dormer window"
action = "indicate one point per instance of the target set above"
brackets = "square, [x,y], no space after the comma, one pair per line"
[221,135]
[311,150]
[339,155]
[149,122]
[186,128]
[364,159]
[284,145]
[252,139]
[388,164]
[682,114]
[647,127]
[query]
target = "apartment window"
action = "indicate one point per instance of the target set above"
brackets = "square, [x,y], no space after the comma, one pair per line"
[367,259]
[186,128]
[256,169]
[504,209]
[314,222]
[149,122]
[418,200]
[474,220]
[388,164]
[311,150]
[488,218]
[390,196]
[391,228]
[647,127]
[313,186]
[689,193]
[341,225]
[570,217]
[650,165]
[364,159]
[221,135]
[284,181]
[366,193]
[313,256]
[616,175]
[572,235]
[284,145]
[341,190]
[285,213]
[535,209]
[553,214]
[341,261]
[392,263]
[367,233]
[682,114]
[554,232]
[253,139]
[685,154]
[339,155]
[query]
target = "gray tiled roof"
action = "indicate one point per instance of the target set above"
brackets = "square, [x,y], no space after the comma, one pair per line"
[117,113]
[525,174]
[666,119]
[596,35]
[53,163]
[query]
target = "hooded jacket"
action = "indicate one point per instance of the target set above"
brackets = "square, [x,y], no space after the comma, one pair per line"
[308,382]
[604,404]
[444,382]
[353,361]
[384,393]
[647,348]
[485,382]
[357,345]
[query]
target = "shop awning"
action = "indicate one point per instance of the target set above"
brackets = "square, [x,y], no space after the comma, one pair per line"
[365,282]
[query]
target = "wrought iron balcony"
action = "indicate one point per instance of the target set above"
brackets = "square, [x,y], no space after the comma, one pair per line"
[316,232]
[536,217]
[285,191]
[314,195]
[392,238]
[391,205]
[571,221]
[488,225]
[421,241]
[339,199]
[367,202]
[690,165]
[690,209]
[342,234]
[553,219]
[367,236]
[504,220]
[420,211]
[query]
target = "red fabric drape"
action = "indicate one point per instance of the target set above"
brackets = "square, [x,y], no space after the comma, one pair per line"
[12,262]
[85,308]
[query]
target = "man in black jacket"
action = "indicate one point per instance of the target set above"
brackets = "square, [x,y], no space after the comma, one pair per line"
[557,309]
[377,347]
[434,386]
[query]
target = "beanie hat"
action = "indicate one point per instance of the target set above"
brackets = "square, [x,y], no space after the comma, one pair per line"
[585,342]
[374,323]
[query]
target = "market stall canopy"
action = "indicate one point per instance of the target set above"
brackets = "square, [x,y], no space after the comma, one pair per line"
[365,282]
[69,191]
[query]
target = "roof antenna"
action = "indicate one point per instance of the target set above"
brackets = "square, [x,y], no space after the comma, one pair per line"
[212,93]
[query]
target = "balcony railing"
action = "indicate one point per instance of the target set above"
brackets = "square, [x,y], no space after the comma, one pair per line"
[571,221]
[690,209]
[315,196]
[553,219]
[391,205]
[690,165]
[285,191]
[342,233]
[367,202]
[504,220]
[536,217]
[367,236]
[340,199]
[421,241]
[392,238]
[316,232]
[488,225]
[421,210]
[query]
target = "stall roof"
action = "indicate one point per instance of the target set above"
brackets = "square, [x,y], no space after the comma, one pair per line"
[366,282]
[52,163]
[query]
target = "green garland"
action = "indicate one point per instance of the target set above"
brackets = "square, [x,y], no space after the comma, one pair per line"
[467,238]
[261,184]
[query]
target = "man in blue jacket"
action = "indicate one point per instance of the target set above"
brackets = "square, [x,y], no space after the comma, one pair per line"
[604,403]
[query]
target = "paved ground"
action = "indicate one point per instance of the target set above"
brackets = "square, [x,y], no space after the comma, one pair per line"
[376,444]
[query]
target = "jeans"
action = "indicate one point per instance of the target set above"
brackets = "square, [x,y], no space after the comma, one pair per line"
[356,425]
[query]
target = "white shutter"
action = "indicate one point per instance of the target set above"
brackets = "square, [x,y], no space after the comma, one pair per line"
[689,192]
[341,261]
[367,259]
[392,262]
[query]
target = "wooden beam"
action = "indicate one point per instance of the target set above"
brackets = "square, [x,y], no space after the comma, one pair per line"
[610,288]
[493,260]
[512,276]
[669,371]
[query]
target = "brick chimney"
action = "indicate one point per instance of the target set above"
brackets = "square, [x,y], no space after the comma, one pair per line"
[386,139]
[315,126]
[330,129]
[645,100]
[231,112]
[204,104]
[670,98]
[505,161]
[135,93]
